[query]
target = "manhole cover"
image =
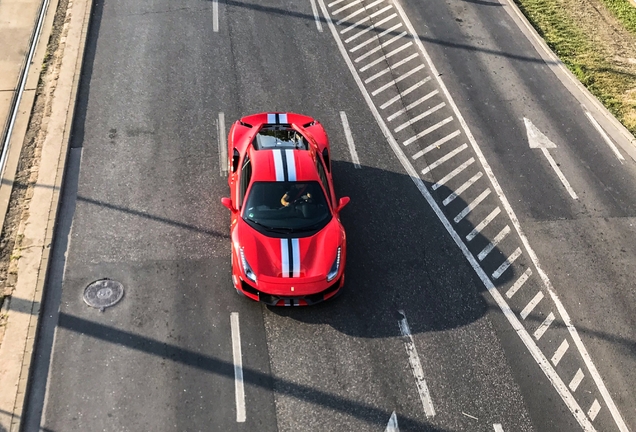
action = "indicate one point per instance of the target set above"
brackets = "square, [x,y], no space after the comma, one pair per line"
[103,293]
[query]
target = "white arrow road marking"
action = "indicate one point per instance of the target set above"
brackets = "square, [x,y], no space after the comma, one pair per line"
[392,426]
[237,357]
[537,139]
[416,366]
[605,137]
[222,146]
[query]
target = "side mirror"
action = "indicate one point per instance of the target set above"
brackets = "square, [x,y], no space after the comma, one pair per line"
[227,202]
[343,202]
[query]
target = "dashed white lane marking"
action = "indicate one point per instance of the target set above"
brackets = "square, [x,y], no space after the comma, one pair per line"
[405,92]
[349,137]
[523,334]
[416,366]
[453,173]
[444,158]
[428,131]
[490,246]
[519,283]
[392,425]
[471,206]
[390,68]
[397,80]
[560,352]
[594,409]
[437,143]
[215,16]
[483,224]
[578,377]
[468,183]
[314,10]
[237,358]
[547,322]
[222,145]
[375,38]
[504,266]
[497,427]
[419,117]
[531,305]
[606,138]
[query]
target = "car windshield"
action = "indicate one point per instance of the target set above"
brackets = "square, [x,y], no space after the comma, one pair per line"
[286,207]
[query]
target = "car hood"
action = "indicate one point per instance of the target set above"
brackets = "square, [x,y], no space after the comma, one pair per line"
[290,257]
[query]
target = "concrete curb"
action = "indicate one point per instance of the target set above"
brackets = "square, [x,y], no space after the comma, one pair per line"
[16,351]
[614,128]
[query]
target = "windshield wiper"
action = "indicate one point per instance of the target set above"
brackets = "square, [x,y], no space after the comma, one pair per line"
[266,227]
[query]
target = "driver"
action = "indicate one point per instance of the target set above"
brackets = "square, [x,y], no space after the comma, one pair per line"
[295,193]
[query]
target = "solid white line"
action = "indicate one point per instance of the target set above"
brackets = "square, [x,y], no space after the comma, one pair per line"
[490,246]
[483,224]
[416,366]
[372,26]
[468,183]
[545,325]
[567,397]
[237,358]
[314,9]
[519,282]
[452,174]
[397,80]
[523,334]
[350,5]
[604,135]
[374,38]
[594,409]
[497,427]
[386,57]
[504,266]
[558,355]
[349,137]
[436,144]
[420,116]
[405,92]
[428,130]
[531,305]
[556,169]
[215,16]
[574,384]
[470,207]
[390,68]
[222,145]
[444,158]
[381,46]
[412,105]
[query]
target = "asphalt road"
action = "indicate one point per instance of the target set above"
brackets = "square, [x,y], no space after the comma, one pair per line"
[141,205]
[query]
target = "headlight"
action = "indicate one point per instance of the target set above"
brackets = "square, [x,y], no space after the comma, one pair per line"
[334,268]
[246,267]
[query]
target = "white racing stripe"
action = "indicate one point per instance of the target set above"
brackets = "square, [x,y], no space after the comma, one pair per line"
[284,257]
[282,118]
[295,257]
[291,165]
[271,118]
[237,358]
[523,334]
[416,367]
[278,165]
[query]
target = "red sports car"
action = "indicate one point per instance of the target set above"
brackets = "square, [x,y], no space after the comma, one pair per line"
[288,245]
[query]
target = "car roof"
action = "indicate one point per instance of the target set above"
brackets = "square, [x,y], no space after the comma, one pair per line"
[283,165]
